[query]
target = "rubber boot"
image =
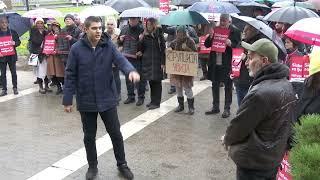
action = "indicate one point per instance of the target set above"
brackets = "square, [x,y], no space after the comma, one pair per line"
[181,104]
[191,106]
[59,89]
[41,90]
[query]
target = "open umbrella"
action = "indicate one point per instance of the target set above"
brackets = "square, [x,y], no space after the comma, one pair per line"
[289,15]
[265,30]
[99,10]
[43,13]
[214,7]
[142,12]
[247,8]
[306,31]
[183,18]
[184,2]
[121,5]
[281,4]
[17,22]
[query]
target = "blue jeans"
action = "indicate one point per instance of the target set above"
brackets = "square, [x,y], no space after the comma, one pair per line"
[241,93]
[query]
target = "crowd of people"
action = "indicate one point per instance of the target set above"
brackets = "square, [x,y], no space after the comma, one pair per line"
[86,62]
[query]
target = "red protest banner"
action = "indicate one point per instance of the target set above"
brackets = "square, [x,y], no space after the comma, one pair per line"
[49,45]
[236,61]
[299,68]
[306,66]
[164,6]
[219,39]
[6,47]
[203,49]
[284,169]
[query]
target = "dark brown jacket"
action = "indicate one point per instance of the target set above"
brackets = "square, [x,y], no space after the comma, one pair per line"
[258,135]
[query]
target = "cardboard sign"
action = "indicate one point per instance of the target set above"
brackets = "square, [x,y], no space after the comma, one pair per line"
[49,45]
[182,63]
[219,39]
[236,61]
[284,169]
[203,49]
[6,47]
[63,44]
[299,68]
[164,6]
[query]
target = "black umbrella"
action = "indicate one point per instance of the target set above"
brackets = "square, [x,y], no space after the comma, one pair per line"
[184,2]
[290,14]
[121,5]
[266,31]
[17,22]
[247,8]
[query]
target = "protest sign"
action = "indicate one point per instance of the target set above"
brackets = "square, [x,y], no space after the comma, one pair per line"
[6,47]
[219,39]
[182,63]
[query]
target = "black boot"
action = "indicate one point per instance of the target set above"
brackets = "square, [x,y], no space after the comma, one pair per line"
[91,173]
[191,106]
[41,89]
[3,93]
[181,104]
[125,172]
[59,89]
[46,86]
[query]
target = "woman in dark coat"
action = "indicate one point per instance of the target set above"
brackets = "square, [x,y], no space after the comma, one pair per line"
[152,49]
[309,102]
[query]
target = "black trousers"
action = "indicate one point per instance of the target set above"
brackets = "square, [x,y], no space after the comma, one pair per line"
[155,92]
[221,76]
[141,85]
[13,70]
[250,174]
[116,75]
[112,125]
[204,66]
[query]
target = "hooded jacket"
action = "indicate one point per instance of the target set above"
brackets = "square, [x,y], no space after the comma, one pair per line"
[258,135]
[89,75]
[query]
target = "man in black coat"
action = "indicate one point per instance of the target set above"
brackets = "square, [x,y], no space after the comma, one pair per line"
[8,60]
[259,133]
[219,67]
[89,76]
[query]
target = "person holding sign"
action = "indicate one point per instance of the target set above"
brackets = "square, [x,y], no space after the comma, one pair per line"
[222,40]
[183,43]
[55,64]
[243,80]
[9,40]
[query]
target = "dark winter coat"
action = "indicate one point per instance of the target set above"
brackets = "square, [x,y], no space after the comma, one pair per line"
[309,103]
[244,80]
[73,31]
[130,43]
[153,50]
[234,36]
[258,135]
[36,40]
[15,38]
[89,75]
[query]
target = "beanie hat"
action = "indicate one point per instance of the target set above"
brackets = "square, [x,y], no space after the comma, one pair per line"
[314,66]
[69,16]
[182,28]
[38,19]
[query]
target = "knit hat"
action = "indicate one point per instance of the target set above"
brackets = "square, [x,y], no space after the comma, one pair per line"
[182,28]
[38,19]
[69,16]
[314,66]
[263,47]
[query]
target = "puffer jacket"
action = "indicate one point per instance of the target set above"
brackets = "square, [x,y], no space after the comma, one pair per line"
[258,135]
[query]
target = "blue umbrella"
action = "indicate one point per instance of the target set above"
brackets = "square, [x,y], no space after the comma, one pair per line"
[17,22]
[214,7]
[183,18]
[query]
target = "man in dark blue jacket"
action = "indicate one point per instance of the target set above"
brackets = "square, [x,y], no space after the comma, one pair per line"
[89,75]
[8,60]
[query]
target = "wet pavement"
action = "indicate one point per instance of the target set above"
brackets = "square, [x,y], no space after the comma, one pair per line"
[35,133]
